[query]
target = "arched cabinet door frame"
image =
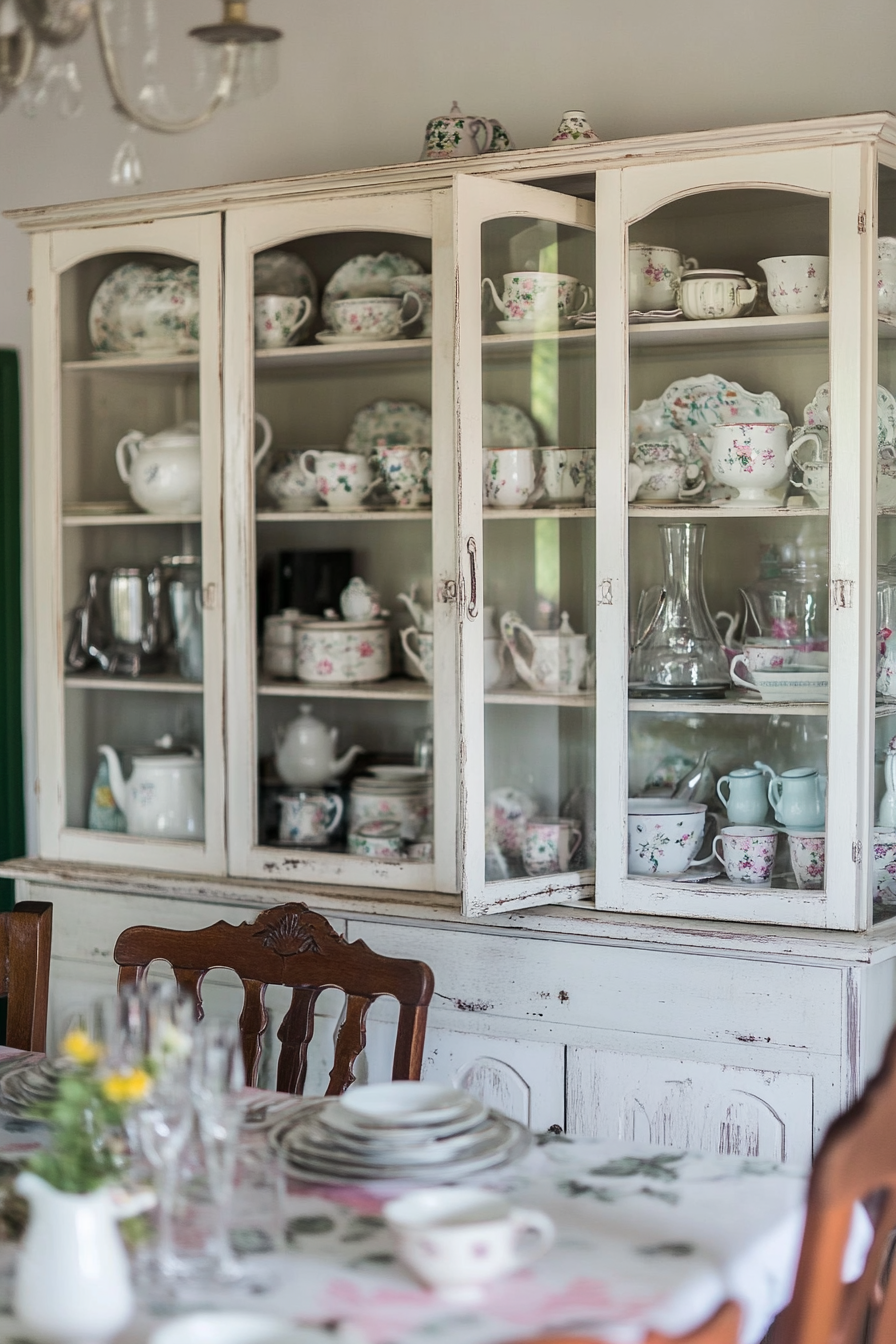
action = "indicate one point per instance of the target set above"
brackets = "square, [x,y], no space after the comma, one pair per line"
[54,255]
[845,175]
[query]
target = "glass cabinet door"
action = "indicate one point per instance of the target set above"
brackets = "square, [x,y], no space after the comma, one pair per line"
[732,651]
[129,635]
[525,387]
[338,349]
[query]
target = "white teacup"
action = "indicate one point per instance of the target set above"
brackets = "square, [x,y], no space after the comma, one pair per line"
[539,297]
[761,655]
[341,479]
[653,276]
[797,284]
[418,662]
[511,477]
[564,472]
[754,457]
[671,480]
[279,318]
[816,481]
[550,845]
[807,859]
[376,319]
[747,853]
[663,835]
[649,452]
[455,1239]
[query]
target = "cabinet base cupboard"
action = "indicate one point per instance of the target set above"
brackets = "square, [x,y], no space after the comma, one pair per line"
[604,551]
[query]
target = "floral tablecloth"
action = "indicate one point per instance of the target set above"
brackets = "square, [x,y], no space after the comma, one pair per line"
[647,1238]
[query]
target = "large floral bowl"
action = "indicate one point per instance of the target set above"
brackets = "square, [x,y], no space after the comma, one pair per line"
[144,310]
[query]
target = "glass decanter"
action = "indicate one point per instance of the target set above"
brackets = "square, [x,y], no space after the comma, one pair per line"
[677,651]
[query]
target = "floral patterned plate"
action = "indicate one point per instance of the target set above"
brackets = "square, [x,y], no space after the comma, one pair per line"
[391,422]
[506,426]
[365,277]
[103,323]
[279,272]
[818,414]
[140,309]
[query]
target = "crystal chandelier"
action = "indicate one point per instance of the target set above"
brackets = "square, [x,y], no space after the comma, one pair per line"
[32,71]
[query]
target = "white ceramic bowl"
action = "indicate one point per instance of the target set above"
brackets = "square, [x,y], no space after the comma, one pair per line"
[404,1103]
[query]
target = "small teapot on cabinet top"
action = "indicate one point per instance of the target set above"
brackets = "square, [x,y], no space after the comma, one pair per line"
[305,751]
[798,798]
[163,797]
[454,136]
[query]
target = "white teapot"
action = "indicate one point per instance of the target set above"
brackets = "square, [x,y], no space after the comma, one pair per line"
[419,614]
[305,751]
[551,661]
[164,472]
[164,795]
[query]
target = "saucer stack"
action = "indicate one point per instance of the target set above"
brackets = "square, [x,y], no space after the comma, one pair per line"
[402,794]
[396,1132]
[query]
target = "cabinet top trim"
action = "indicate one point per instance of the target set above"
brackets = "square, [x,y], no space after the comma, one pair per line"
[526,164]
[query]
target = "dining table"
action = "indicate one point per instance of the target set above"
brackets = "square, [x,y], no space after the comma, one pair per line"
[647,1238]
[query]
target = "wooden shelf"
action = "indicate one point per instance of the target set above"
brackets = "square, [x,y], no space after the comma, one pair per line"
[126,519]
[524,696]
[134,364]
[798,327]
[313,356]
[512,345]
[395,688]
[325,515]
[674,510]
[732,704]
[164,682]
[493,515]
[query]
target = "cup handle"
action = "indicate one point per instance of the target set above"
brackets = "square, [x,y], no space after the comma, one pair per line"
[775,788]
[690,264]
[739,681]
[309,457]
[499,303]
[695,489]
[131,442]
[587,299]
[338,809]
[726,779]
[798,485]
[405,637]
[409,321]
[267,438]
[578,840]
[538,1228]
[304,310]
[715,853]
[483,126]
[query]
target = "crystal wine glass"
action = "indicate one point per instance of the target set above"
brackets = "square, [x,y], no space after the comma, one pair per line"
[217,1079]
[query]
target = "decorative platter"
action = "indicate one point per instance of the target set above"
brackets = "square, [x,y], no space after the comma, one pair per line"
[393,422]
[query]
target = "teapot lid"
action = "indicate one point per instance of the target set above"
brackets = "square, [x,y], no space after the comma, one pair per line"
[565,627]
[167,748]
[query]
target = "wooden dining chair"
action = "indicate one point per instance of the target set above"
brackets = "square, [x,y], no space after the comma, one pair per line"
[25,935]
[293,946]
[856,1162]
[722,1329]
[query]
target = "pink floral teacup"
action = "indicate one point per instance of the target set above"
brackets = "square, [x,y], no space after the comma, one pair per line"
[884,865]
[807,859]
[747,853]
[796,284]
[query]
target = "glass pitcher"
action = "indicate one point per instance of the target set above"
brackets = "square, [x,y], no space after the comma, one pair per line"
[677,651]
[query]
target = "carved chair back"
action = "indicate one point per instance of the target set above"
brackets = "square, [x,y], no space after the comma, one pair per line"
[293,946]
[25,935]
[856,1162]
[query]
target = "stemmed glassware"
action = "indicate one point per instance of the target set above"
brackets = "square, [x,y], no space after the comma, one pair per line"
[217,1079]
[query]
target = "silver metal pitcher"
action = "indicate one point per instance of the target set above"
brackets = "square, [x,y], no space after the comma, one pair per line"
[135,605]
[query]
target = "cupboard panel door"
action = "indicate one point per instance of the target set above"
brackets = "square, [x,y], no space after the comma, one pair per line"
[525,425]
[101,370]
[524,1079]
[285,524]
[685,1104]
[660,704]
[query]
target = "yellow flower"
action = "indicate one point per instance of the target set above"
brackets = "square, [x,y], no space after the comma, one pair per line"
[122,1088]
[78,1047]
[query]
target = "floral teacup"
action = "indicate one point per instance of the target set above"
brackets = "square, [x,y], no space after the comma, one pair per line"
[377,840]
[807,859]
[506,815]
[663,835]
[563,474]
[653,276]
[754,457]
[375,319]
[884,865]
[540,297]
[748,853]
[550,845]
[279,318]
[406,472]
[420,286]
[418,661]
[309,817]
[797,284]
[671,480]
[511,477]
[341,479]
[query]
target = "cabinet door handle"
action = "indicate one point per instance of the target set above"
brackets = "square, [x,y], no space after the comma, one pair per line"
[472,605]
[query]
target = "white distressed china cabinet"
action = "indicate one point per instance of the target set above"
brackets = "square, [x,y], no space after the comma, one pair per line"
[680,1010]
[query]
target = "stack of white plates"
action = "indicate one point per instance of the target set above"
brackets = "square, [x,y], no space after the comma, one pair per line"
[397,1132]
[28,1083]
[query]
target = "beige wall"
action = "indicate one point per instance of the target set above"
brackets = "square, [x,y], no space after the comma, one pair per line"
[360,78]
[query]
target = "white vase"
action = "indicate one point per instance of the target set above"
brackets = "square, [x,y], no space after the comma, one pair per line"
[73,1281]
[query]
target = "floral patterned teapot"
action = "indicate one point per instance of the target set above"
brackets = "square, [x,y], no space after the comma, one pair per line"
[454,136]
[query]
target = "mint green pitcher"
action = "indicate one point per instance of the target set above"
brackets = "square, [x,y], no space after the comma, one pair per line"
[747,801]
